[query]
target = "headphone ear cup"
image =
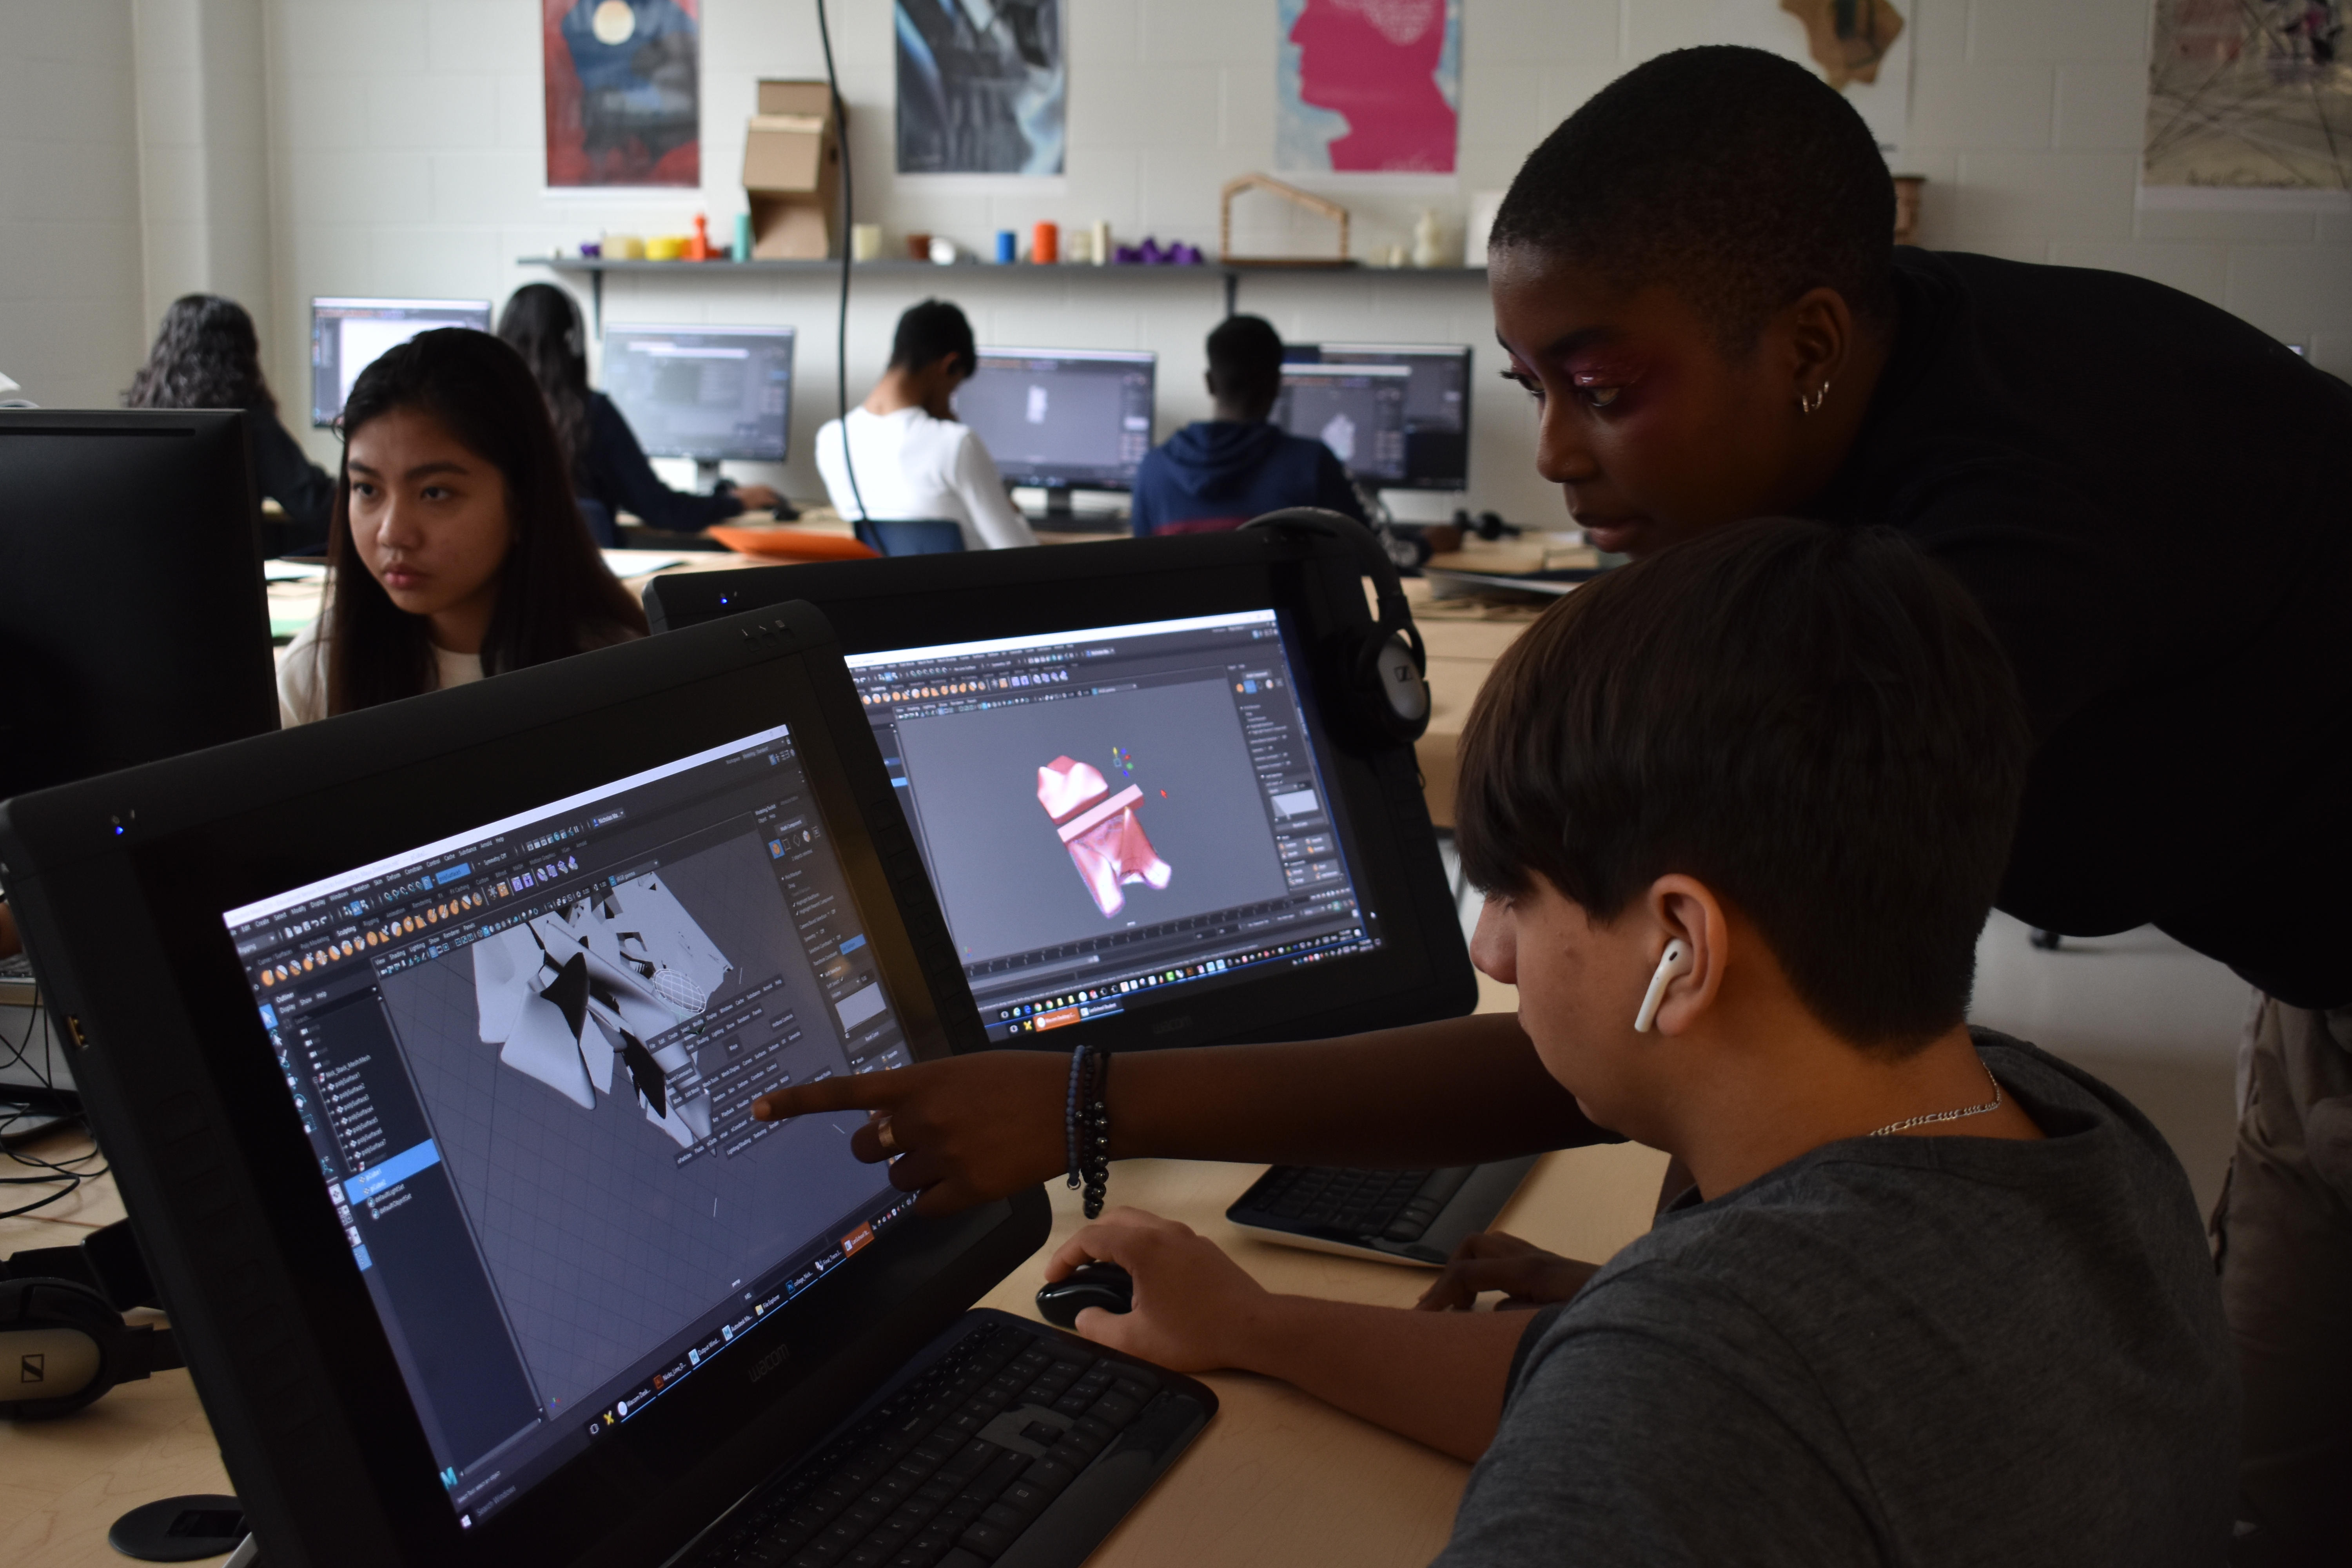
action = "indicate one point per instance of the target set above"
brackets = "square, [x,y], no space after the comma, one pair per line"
[60,1347]
[1392,691]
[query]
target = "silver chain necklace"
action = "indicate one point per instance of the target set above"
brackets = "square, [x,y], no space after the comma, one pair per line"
[1992,1104]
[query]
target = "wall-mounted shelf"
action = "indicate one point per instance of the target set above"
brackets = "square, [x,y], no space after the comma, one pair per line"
[1230,273]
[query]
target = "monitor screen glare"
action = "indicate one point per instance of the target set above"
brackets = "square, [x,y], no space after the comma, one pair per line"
[704,393]
[347,335]
[1062,418]
[1397,414]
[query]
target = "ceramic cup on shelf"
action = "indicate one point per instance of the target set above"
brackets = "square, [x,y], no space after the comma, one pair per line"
[918,247]
[865,241]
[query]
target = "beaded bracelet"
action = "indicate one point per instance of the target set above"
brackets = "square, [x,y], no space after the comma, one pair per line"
[1070,1114]
[1086,1125]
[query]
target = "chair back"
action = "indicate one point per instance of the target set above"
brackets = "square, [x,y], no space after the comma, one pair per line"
[911,536]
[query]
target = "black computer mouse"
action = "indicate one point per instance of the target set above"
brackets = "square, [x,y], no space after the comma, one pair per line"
[1104,1284]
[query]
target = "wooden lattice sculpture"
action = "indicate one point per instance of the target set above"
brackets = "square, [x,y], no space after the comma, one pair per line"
[1296,197]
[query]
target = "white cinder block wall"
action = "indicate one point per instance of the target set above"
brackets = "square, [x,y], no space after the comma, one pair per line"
[72,325]
[405,158]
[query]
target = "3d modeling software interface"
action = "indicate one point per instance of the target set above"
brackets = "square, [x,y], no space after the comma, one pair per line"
[1108,814]
[347,335]
[525,1057]
[1398,415]
[706,393]
[1062,417]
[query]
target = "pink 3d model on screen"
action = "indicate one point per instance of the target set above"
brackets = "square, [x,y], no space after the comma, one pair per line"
[1106,841]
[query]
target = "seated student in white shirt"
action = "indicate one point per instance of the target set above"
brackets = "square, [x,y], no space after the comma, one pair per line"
[913,460]
[455,549]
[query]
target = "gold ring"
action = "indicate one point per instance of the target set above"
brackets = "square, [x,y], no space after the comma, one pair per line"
[882,1136]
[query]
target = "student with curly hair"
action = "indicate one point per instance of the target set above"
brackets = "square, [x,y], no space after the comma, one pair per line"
[208,356]
[456,549]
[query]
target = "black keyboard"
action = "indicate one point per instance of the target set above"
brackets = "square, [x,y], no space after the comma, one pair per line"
[916,1483]
[1392,1205]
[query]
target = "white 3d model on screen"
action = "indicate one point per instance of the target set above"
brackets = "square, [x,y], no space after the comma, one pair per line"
[631,962]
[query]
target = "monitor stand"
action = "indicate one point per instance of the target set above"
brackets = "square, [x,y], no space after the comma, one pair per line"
[706,476]
[1061,517]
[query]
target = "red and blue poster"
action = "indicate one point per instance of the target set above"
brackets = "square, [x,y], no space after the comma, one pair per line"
[1367,86]
[623,92]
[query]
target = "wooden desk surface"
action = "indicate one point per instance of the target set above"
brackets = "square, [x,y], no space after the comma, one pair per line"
[1278,1476]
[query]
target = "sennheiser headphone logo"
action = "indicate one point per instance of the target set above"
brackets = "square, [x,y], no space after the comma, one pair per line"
[769,1362]
[36,1368]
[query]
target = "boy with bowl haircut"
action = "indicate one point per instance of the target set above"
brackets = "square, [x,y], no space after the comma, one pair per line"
[1935,1296]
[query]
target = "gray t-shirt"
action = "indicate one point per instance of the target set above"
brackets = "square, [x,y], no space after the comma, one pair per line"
[1891,1351]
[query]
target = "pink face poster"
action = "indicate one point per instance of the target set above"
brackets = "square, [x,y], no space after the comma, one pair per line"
[624,91]
[1367,86]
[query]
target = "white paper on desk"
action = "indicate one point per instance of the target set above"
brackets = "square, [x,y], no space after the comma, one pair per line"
[637,563]
[292,572]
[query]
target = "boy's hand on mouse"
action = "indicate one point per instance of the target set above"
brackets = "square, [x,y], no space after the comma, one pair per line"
[959,1132]
[1491,1260]
[1192,1303]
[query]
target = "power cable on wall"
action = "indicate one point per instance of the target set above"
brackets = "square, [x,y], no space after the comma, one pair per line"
[841,333]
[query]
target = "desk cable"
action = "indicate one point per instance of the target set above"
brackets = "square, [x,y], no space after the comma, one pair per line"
[66,1175]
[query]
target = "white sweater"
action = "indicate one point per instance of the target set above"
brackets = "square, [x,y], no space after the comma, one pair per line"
[911,466]
[302,674]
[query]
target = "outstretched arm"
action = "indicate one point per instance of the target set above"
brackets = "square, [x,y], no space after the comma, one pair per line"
[977,1126]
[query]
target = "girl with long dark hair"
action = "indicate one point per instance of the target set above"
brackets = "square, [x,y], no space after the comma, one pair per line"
[208,356]
[455,549]
[607,464]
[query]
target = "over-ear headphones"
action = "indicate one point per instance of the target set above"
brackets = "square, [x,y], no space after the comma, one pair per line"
[1387,665]
[1676,960]
[63,1343]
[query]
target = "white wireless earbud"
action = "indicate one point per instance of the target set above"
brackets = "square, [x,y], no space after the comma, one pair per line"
[1676,961]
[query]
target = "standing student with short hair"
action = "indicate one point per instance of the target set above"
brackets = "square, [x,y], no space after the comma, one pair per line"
[207,355]
[456,550]
[912,460]
[1694,278]
[1219,472]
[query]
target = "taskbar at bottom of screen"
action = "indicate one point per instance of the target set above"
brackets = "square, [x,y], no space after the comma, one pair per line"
[1059,1012]
[782,1285]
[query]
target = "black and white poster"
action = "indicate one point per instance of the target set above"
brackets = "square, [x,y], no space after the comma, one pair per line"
[983,87]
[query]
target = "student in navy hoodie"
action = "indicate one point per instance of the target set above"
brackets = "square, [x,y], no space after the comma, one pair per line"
[1221,472]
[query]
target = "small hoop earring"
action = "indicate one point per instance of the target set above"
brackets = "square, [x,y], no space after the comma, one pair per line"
[1812,405]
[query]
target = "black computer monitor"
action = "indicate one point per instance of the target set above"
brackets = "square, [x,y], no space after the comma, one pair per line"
[706,393]
[1062,419]
[1398,415]
[348,334]
[133,622]
[432,1117]
[1133,772]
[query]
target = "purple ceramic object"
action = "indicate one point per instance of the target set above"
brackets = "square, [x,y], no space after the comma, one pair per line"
[593,250]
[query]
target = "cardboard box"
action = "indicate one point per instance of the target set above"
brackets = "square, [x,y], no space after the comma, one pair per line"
[792,172]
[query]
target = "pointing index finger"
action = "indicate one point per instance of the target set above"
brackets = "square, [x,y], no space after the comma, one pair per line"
[847,1091]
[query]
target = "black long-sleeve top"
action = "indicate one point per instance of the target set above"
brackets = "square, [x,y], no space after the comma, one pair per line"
[2146,496]
[283,474]
[616,472]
